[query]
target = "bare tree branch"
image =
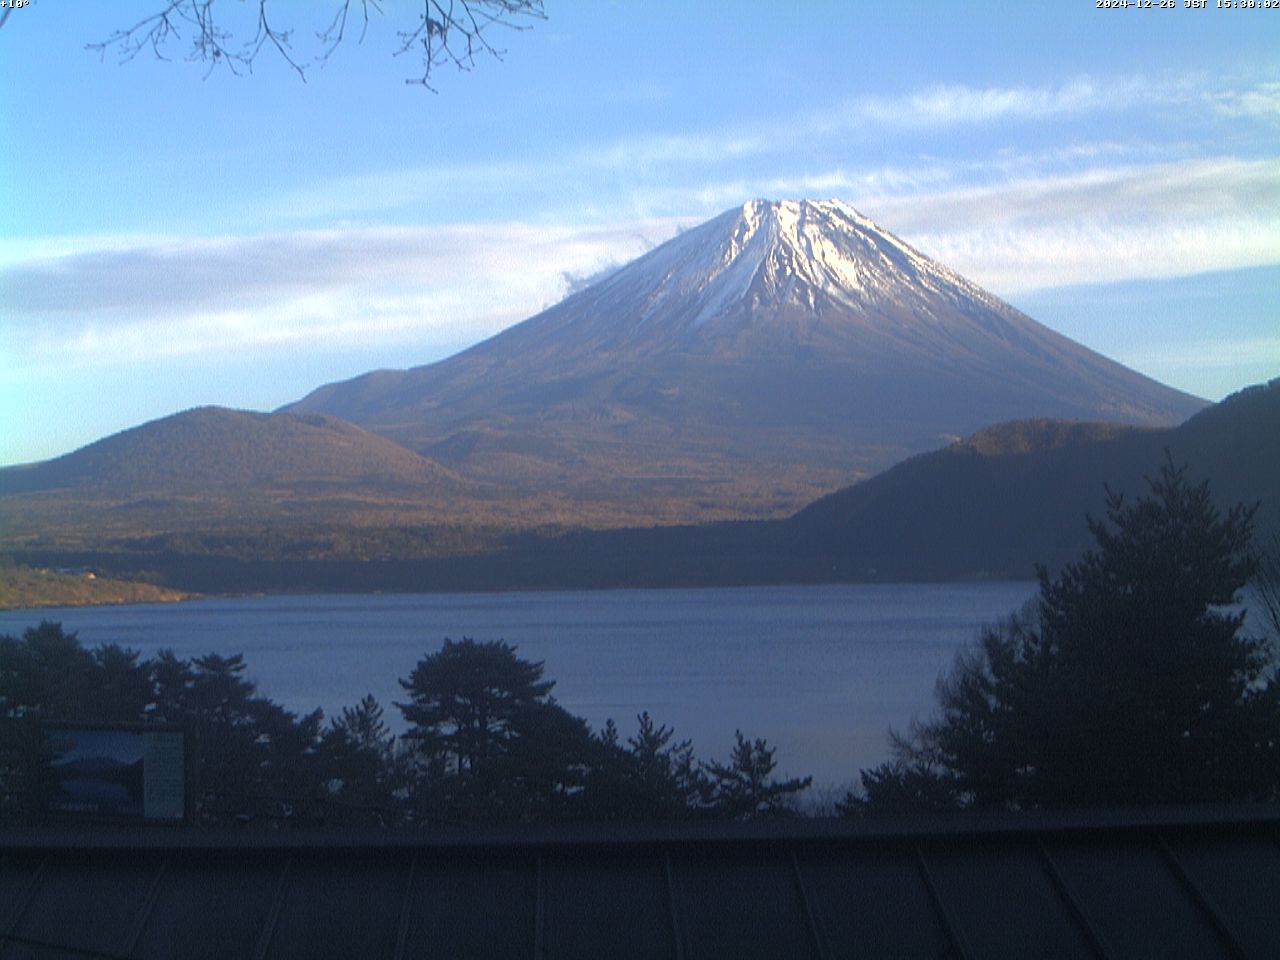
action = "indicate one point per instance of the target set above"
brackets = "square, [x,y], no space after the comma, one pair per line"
[334,35]
[209,43]
[453,31]
[446,32]
[279,39]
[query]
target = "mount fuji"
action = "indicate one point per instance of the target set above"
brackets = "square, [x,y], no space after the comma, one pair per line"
[773,354]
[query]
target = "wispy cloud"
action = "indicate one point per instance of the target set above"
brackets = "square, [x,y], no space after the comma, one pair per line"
[1109,223]
[932,107]
[181,296]
[948,107]
[1189,97]
[1259,102]
[124,300]
[602,175]
[959,105]
[1061,211]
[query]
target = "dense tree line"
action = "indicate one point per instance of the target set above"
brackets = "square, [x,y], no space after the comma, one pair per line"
[485,742]
[1131,679]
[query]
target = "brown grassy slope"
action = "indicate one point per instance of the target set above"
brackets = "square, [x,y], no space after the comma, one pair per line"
[25,588]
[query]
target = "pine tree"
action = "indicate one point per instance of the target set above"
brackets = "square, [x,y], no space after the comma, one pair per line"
[1131,680]
[465,698]
[489,741]
[745,788]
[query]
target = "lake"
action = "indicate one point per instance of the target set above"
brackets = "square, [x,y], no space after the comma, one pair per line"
[821,672]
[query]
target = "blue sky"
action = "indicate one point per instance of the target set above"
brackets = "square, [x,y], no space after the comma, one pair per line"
[170,239]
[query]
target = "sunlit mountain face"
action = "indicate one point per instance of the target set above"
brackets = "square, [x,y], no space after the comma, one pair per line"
[774,353]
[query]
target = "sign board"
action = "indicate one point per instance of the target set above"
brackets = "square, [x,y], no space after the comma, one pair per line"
[116,772]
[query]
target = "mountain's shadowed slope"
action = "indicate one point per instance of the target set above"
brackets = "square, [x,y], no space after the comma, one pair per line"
[743,368]
[1017,494]
[993,505]
[990,506]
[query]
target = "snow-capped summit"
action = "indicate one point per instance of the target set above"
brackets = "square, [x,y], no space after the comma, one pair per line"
[799,252]
[777,351]
[782,275]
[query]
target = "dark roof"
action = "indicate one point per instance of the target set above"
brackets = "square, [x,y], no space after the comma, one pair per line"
[1163,883]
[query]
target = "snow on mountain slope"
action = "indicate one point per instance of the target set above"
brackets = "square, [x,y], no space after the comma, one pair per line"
[780,346]
[820,256]
[760,283]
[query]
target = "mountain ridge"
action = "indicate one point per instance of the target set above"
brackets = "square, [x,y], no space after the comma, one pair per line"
[212,446]
[741,372]
[769,355]
[991,505]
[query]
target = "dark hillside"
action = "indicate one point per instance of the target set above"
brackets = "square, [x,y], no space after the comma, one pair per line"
[1016,494]
[1236,444]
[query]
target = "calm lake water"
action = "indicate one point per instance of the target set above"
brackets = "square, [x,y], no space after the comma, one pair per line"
[822,672]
